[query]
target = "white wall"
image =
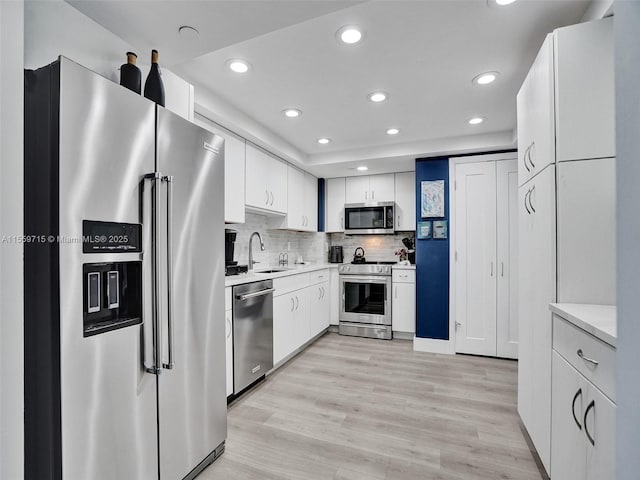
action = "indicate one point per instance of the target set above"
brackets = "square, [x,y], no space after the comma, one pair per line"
[11,194]
[627,53]
[53,28]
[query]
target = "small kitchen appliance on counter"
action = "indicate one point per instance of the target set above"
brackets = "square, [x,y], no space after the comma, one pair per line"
[231,267]
[336,254]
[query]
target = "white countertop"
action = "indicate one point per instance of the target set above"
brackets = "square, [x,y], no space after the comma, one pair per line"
[598,320]
[403,267]
[290,270]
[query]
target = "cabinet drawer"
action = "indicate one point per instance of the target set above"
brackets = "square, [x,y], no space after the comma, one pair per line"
[319,276]
[290,283]
[568,340]
[403,276]
[228,304]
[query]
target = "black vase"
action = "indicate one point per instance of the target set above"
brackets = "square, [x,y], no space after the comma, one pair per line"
[130,75]
[153,86]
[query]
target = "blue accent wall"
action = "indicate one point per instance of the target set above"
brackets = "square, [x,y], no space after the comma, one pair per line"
[432,260]
[321,195]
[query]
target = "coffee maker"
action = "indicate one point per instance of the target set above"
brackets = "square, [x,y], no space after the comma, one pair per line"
[231,267]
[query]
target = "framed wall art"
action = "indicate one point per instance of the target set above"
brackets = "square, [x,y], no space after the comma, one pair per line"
[440,229]
[424,230]
[432,198]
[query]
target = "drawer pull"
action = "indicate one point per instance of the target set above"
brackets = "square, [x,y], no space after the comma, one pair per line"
[586,359]
[573,407]
[586,430]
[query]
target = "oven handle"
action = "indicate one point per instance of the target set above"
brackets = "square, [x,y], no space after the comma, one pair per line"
[365,325]
[364,279]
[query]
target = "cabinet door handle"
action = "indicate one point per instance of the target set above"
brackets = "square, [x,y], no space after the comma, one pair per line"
[398,226]
[573,407]
[271,199]
[592,405]
[292,304]
[366,195]
[267,201]
[342,223]
[502,269]
[396,293]
[324,292]
[586,359]
[524,158]
[373,195]
[525,201]
[492,269]
[533,189]
[531,148]
[229,323]
[297,302]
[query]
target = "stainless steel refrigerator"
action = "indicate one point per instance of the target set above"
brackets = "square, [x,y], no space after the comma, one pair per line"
[124,284]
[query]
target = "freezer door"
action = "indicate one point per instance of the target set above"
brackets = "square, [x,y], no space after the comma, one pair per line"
[192,386]
[108,400]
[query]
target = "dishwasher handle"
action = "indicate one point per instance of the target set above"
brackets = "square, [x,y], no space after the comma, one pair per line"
[259,293]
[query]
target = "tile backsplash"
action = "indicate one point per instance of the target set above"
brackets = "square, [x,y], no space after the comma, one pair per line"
[377,248]
[312,247]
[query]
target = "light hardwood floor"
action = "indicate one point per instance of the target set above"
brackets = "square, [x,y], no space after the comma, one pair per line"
[359,409]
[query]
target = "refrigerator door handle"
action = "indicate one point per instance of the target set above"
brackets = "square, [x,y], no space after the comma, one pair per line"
[156,178]
[169,181]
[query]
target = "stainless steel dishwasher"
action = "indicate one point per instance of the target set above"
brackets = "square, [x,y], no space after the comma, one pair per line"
[252,333]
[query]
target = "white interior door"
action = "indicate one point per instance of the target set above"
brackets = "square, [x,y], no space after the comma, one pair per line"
[507,248]
[476,269]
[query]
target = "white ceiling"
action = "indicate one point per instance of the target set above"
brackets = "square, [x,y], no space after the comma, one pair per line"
[424,53]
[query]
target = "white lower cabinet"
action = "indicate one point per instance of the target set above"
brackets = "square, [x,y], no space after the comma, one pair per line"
[291,323]
[319,303]
[334,297]
[228,318]
[582,427]
[403,303]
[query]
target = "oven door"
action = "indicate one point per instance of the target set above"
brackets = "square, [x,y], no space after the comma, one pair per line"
[365,299]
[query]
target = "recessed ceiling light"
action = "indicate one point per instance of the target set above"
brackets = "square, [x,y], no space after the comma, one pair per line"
[485,78]
[476,120]
[378,96]
[188,32]
[363,168]
[393,131]
[239,66]
[292,112]
[504,2]
[349,34]
[324,141]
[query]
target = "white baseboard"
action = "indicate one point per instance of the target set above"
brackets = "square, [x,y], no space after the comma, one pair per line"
[432,345]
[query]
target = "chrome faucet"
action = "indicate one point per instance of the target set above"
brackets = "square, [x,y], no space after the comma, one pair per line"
[252,262]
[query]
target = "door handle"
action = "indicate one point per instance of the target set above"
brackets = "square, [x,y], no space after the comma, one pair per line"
[170,333]
[531,148]
[267,201]
[292,304]
[373,195]
[592,405]
[156,179]
[297,303]
[573,407]
[229,323]
[259,293]
[342,223]
[533,189]
[366,195]
[458,325]
[595,363]
[525,201]
[492,269]
[502,269]
[524,158]
[271,199]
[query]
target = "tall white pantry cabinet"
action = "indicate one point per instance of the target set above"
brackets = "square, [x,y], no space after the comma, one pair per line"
[566,171]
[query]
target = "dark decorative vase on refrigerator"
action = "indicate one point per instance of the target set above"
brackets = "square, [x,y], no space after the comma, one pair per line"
[130,75]
[153,86]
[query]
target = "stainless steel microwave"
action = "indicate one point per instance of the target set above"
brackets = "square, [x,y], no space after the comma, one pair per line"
[374,218]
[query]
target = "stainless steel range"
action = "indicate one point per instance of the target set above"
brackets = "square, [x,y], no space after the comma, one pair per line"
[365,309]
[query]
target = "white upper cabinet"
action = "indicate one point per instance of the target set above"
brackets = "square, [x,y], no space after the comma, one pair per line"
[535,102]
[302,199]
[405,188]
[370,188]
[311,203]
[334,205]
[234,172]
[266,182]
[585,91]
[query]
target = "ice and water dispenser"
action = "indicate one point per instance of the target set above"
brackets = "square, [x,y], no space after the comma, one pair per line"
[112,291]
